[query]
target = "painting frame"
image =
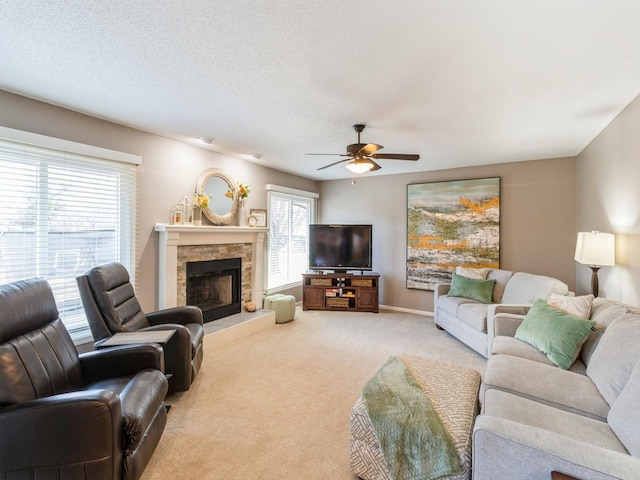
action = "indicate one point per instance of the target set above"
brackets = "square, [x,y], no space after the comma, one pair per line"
[451,223]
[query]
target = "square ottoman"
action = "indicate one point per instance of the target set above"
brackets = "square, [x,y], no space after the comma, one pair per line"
[283,305]
[450,393]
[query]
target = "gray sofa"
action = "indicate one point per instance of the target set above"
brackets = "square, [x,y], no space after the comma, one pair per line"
[467,319]
[537,418]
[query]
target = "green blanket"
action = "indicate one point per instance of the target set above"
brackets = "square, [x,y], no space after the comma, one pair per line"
[415,444]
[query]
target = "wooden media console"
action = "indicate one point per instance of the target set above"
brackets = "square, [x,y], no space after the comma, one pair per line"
[340,291]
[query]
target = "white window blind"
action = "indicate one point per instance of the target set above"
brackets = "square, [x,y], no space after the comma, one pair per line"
[62,213]
[290,213]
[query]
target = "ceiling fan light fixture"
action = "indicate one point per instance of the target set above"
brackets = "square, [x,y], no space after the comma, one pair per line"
[359,166]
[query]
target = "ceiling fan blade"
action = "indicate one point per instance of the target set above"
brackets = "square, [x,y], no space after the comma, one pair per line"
[369,148]
[396,156]
[375,166]
[335,163]
[355,147]
[327,154]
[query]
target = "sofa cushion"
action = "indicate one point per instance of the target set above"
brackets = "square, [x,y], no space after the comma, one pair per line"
[504,345]
[624,416]
[452,304]
[501,277]
[474,289]
[577,306]
[545,383]
[556,334]
[477,273]
[474,315]
[528,412]
[527,287]
[613,360]
[603,312]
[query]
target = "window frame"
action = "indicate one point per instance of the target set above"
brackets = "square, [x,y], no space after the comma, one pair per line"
[48,155]
[292,194]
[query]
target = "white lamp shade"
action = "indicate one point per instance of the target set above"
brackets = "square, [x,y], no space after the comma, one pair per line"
[595,248]
[359,166]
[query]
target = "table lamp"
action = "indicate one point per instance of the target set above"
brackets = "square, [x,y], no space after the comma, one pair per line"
[597,250]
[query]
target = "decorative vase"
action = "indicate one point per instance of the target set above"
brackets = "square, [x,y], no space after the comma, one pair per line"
[187,210]
[242,216]
[197,216]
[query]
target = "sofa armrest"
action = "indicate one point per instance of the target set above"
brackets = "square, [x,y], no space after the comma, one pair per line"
[501,447]
[512,309]
[180,315]
[439,290]
[506,324]
[66,430]
[124,360]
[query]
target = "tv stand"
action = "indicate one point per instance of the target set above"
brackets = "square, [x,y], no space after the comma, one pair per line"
[340,291]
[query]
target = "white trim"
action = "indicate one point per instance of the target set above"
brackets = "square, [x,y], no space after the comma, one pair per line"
[67,146]
[282,288]
[406,310]
[292,191]
[170,237]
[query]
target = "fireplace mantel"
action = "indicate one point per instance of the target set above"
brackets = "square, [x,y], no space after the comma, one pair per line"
[170,237]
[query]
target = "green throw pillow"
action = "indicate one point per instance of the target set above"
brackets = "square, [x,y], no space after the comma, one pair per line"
[556,334]
[480,290]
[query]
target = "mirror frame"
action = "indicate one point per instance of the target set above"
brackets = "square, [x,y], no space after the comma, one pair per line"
[214,217]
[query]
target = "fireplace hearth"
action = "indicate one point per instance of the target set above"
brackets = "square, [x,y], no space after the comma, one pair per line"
[215,287]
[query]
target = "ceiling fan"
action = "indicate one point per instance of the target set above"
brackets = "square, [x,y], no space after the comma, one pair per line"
[361,155]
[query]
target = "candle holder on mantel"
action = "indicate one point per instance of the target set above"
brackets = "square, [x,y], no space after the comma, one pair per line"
[175,215]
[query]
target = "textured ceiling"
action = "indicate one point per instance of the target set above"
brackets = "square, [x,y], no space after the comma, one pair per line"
[461,82]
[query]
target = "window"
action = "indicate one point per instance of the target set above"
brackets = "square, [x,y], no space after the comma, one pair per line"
[290,214]
[63,211]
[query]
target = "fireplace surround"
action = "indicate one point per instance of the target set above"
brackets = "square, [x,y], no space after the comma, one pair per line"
[180,244]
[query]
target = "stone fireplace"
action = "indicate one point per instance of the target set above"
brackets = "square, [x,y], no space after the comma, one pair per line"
[179,245]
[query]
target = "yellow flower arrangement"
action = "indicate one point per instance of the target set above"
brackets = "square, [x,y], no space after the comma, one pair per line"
[201,200]
[242,191]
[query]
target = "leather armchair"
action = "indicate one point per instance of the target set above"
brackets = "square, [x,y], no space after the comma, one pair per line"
[111,307]
[98,415]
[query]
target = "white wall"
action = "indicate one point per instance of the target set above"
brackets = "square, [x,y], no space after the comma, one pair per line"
[608,199]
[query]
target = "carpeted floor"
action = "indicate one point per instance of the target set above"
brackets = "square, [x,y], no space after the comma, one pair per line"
[276,404]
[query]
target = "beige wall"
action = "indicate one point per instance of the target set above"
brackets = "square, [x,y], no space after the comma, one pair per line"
[608,199]
[537,223]
[169,170]
[538,198]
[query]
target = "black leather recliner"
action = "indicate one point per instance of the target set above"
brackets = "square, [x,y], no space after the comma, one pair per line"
[111,307]
[98,415]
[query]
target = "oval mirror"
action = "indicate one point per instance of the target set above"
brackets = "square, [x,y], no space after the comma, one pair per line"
[215,183]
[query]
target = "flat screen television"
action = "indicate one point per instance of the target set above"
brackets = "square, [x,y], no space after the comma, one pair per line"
[340,247]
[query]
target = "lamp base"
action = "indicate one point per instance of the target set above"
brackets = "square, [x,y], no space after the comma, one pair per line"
[595,287]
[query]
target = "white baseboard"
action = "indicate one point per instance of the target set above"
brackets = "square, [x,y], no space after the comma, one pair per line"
[406,310]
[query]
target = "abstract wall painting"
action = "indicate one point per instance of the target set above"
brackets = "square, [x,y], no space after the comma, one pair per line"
[449,224]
